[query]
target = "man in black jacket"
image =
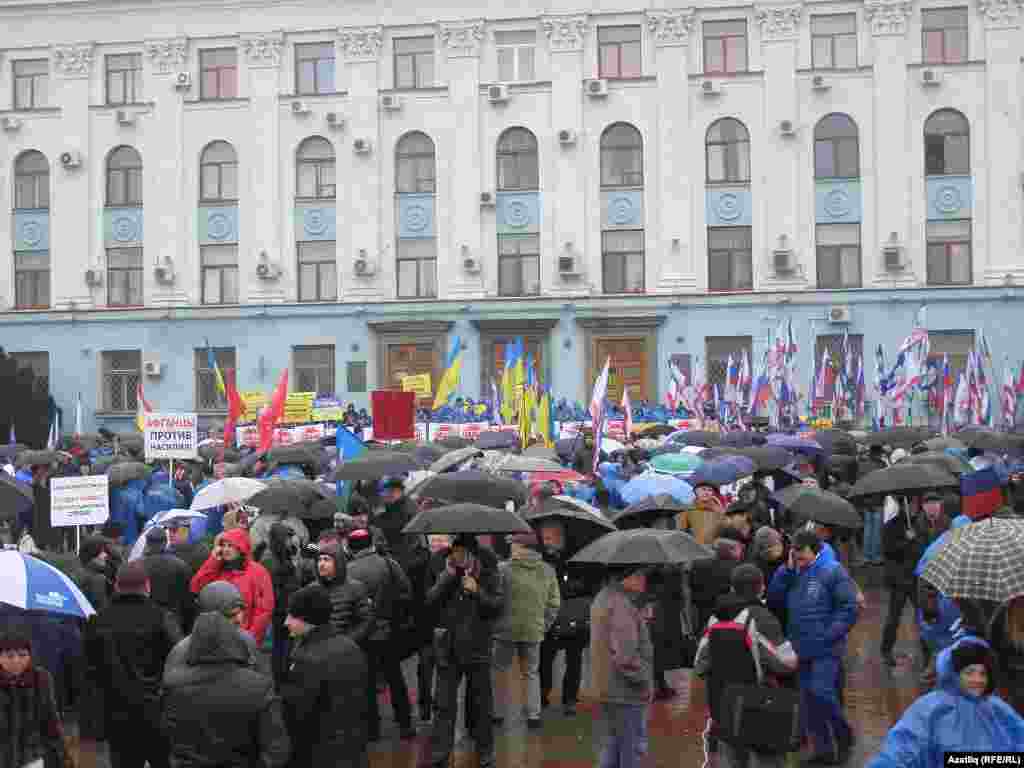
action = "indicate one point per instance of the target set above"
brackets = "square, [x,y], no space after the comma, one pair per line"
[468,597]
[903,542]
[324,699]
[126,647]
[169,578]
[351,603]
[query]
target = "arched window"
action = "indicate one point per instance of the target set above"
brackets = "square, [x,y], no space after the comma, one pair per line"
[31,180]
[947,144]
[124,177]
[622,156]
[415,166]
[218,172]
[728,152]
[314,170]
[836,154]
[518,163]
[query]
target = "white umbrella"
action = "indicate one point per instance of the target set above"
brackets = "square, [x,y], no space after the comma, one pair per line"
[230,490]
[610,446]
[162,520]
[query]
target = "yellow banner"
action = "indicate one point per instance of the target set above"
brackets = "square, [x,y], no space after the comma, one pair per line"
[298,408]
[420,384]
[254,399]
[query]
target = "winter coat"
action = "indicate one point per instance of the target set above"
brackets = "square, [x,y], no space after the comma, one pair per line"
[710,578]
[820,603]
[387,584]
[325,703]
[30,726]
[667,627]
[621,653]
[169,578]
[219,712]
[92,578]
[252,581]
[218,599]
[532,598]
[902,553]
[576,594]
[352,611]
[127,507]
[284,576]
[408,549]
[703,519]
[950,720]
[126,646]
[468,617]
[56,647]
[43,532]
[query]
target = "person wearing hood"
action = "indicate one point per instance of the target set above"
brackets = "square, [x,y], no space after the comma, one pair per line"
[218,710]
[231,561]
[223,598]
[279,560]
[532,599]
[94,582]
[126,646]
[410,550]
[768,551]
[169,578]
[324,701]
[903,543]
[352,611]
[30,726]
[709,576]
[963,715]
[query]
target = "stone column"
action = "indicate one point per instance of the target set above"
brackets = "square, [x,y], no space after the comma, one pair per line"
[358,205]
[167,236]
[775,184]
[997,224]
[892,203]
[260,223]
[458,232]
[564,180]
[670,256]
[73,241]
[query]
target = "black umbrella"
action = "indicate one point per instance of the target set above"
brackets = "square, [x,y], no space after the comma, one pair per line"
[582,522]
[303,454]
[428,454]
[279,500]
[16,498]
[943,442]
[743,439]
[806,503]
[898,437]
[473,486]
[308,490]
[324,509]
[767,458]
[127,471]
[212,452]
[836,441]
[9,451]
[454,443]
[567,447]
[711,454]
[990,441]
[455,458]
[37,458]
[903,478]
[843,467]
[697,437]
[497,441]
[942,460]
[541,452]
[467,518]
[376,464]
[640,547]
[647,510]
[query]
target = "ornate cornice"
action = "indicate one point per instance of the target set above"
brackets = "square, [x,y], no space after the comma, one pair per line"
[565,33]
[167,55]
[888,17]
[1000,14]
[360,43]
[671,27]
[462,38]
[73,61]
[779,22]
[263,51]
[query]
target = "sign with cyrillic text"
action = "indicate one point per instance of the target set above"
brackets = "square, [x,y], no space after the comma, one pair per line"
[170,436]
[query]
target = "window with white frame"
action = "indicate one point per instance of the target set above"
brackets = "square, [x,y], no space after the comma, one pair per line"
[619,51]
[730,259]
[219,273]
[314,369]
[124,78]
[122,372]
[208,396]
[517,53]
[37,362]
[318,270]
[518,265]
[414,62]
[31,83]
[949,253]
[124,277]
[838,255]
[834,41]
[725,47]
[314,68]
[944,35]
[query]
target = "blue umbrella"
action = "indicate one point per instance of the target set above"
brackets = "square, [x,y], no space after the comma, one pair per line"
[744,464]
[718,473]
[653,484]
[32,584]
[796,444]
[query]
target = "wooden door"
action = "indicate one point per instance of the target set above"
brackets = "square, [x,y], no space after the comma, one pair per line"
[411,360]
[534,347]
[628,367]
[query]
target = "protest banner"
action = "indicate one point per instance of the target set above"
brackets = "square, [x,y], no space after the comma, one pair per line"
[79,500]
[394,415]
[420,384]
[327,409]
[298,408]
[170,435]
[254,400]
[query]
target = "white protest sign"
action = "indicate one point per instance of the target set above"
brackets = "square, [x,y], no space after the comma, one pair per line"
[79,500]
[170,436]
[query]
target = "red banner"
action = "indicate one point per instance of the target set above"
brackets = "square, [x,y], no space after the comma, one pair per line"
[394,415]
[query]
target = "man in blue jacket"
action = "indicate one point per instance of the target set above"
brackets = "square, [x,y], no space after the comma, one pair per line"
[821,604]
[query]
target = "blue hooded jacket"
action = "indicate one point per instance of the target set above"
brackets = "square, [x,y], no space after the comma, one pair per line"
[950,720]
[938,634]
[127,507]
[820,603]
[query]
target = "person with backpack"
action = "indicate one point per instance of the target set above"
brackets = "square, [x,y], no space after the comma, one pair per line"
[727,656]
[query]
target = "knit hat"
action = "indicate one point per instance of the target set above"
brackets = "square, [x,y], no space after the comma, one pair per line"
[132,577]
[967,653]
[156,540]
[528,540]
[360,540]
[312,604]
[747,580]
[765,538]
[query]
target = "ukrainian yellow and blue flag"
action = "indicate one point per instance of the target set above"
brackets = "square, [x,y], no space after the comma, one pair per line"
[509,395]
[211,361]
[449,383]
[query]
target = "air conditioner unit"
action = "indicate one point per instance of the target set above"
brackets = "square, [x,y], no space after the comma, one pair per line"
[471,265]
[390,102]
[153,368]
[710,88]
[930,77]
[11,123]
[819,83]
[786,128]
[362,265]
[567,266]
[71,159]
[893,253]
[267,271]
[335,120]
[361,146]
[300,108]
[566,136]
[164,273]
[497,94]
[596,89]
[183,81]
[124,117]
[93,277]
[838,315]
[487,199]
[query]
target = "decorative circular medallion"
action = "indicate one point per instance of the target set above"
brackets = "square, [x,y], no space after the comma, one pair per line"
[314,221]
[729,207]
[31,233]
[620,211]
[948,200]
[218,226]
[517,213]
[125,229]
[837,204]
[416,217]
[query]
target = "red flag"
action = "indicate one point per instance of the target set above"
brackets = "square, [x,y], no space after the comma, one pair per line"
[627,408]
[236,411]
[273,413]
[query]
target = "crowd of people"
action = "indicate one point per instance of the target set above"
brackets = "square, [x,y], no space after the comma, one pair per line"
[275,651]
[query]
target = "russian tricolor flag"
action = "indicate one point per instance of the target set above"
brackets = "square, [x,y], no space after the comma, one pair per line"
[981,493]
